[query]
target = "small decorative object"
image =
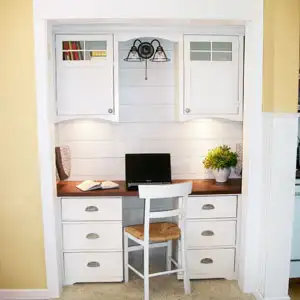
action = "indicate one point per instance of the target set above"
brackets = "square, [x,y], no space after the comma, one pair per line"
[239,165]
[63,161]
[220,160]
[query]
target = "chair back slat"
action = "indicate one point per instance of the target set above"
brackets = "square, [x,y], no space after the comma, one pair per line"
[180,191]
[164,214]
[165,191]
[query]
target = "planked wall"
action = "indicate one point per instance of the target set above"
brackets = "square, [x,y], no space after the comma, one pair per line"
[147,124]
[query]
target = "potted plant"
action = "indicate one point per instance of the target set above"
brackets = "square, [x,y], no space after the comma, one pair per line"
[220,160]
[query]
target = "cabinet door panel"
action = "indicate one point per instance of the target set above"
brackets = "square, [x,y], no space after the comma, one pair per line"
[211,75]
[84,75]
[85,90]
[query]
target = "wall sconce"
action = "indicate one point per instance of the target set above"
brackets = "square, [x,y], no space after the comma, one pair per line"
[145,51]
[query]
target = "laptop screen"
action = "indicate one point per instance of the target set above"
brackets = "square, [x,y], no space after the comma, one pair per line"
[148,167]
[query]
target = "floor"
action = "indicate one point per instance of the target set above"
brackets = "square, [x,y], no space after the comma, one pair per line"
[161,288]
[294,290]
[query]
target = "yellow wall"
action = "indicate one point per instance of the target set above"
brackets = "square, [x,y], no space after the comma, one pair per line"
[281,55]
[22,263]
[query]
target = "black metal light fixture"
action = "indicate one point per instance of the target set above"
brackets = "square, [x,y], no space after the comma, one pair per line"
[133,55]
[145,51]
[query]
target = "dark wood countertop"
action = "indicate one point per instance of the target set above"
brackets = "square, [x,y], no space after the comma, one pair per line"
[200,187]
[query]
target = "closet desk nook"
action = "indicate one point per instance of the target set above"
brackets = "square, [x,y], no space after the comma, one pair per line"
[93,221]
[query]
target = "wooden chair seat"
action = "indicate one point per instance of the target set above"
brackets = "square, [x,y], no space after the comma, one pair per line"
[158,232]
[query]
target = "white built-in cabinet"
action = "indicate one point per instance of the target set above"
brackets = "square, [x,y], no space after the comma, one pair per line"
[86,77]
[92,237]
[213,77]
[208,72]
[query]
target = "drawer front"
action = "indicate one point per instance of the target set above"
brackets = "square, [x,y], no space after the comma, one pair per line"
[93,267]
[92,209]
[94,236]
[212,207]
[211,233]
[216,263]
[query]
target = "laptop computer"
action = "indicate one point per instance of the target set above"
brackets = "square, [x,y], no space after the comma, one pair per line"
[147,168]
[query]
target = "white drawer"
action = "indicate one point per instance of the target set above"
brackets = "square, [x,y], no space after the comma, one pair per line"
[93,267]
[216,263]
[212,207]
[92,236]
[210,233]
[92,209]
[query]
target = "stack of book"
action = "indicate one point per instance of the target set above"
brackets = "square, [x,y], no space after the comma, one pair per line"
[72,51]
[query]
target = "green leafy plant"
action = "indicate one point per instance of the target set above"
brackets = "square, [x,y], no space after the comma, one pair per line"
[220,157]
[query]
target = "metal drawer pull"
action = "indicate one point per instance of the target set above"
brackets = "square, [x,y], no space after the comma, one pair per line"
[208,207]
[207,233]
[92,236]
[93,264]
[91,208]
[207,261]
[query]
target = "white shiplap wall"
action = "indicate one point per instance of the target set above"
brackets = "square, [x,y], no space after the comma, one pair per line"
[147,124]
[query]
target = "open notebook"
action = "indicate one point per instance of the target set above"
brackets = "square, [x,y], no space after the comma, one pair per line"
[90,185]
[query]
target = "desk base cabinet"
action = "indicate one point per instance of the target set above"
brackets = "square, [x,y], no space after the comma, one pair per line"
[92,238]
[212,236]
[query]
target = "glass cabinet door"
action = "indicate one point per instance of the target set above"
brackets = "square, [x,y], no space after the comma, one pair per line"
[84,48]
[211,65]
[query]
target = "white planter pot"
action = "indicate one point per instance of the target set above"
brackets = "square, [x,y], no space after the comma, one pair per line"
[221,175]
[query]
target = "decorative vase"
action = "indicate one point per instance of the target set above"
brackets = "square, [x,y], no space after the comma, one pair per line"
[221,175]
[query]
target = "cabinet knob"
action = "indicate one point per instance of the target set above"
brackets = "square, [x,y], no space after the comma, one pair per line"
[187,110]
[110,111]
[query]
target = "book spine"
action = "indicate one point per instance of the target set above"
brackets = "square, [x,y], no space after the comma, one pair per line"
[71,53]
[80,52]
[75,53]
[66,55]
[65,45]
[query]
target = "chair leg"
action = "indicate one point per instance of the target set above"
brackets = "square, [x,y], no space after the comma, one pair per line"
[169,256]
[146,272]
[126,269]
[186,279]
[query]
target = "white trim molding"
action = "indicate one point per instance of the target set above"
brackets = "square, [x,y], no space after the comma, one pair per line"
[258,296]
[24,294]
[46,159]
[277,208]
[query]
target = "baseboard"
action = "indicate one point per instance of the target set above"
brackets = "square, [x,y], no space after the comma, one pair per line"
[259,296]
[24,294]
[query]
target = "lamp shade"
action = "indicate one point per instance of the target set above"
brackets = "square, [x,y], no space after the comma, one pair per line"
[160,55]
[133,55]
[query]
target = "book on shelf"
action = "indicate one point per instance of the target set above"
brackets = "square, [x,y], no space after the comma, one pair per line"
[75,53]
[70,50]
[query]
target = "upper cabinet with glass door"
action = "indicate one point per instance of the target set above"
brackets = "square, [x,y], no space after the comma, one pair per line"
[85,77]
[213,77]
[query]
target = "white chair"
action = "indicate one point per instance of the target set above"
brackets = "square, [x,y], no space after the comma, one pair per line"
[159,234]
